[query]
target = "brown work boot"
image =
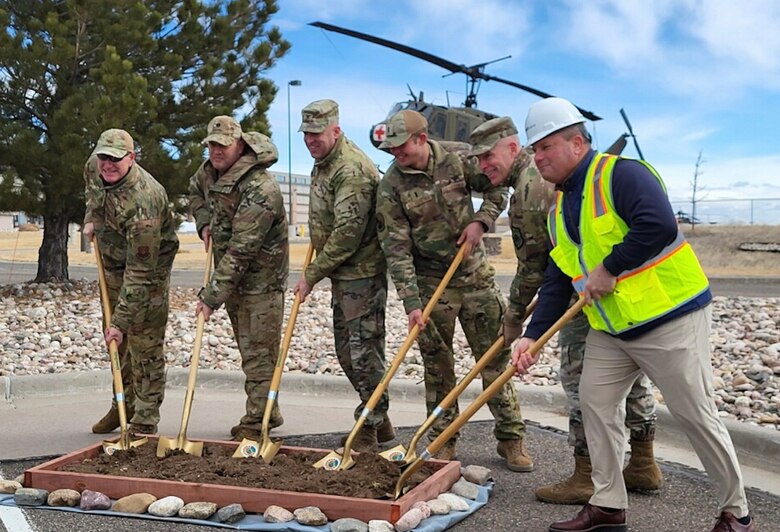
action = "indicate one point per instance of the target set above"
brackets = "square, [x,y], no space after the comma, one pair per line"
[240,433]
[642,473]
[728,522]
[142,428]
[109,422]
[276,419]
[385,432]
[592,518]
[447,452]
[577,489]
[516,455]
[365,440]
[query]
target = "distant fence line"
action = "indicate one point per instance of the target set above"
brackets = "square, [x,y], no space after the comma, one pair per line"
[753,211]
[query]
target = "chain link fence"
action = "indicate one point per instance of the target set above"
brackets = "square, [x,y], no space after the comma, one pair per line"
[747,211]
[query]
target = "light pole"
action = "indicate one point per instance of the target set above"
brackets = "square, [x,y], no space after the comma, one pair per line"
[292,83]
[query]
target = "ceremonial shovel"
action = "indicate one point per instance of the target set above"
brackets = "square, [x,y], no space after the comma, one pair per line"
[267,448]
[483,398]
[398,452]
[181,442]
[333,460]
[123,443]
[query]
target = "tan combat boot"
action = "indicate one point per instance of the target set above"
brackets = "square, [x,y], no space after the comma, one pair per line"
[110,422]
[385,432]
[642,473]
[448,451]
[516,455]
[577,489]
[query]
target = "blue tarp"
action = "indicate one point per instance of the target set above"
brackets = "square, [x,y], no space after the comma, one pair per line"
[435,523]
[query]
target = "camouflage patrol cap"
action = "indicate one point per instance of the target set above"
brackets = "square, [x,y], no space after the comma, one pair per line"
[114,142]
[318,115]
[485,136]
[401,126]
[222,130]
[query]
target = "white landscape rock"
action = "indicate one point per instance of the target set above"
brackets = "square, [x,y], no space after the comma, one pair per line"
[409,520]
[380,525]
[455,502]
[64,497]
[465,489]
[310,515]
[438,507]
[166,507]
[477,474]
[198,510]
[55,328]
[277,514]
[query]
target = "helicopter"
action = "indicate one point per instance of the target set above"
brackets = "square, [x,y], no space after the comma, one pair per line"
[447,123]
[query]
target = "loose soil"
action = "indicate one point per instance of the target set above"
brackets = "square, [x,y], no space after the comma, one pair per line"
[372,477]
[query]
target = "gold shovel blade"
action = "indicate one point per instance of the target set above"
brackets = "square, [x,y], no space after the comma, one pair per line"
[333,461]
[247,449]
[394,454]
[165,444]
[123,443]
[269,449]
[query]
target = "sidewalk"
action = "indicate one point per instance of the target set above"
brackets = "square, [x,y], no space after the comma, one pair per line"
[46,415]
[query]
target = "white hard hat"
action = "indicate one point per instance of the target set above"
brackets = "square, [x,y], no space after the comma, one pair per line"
[548,116]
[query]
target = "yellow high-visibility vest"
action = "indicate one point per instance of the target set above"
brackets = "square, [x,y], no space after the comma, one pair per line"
[663,283]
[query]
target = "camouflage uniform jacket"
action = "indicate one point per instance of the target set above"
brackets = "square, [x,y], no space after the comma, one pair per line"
[421,214]
[528,207]
[245,211]
[342,216]
[135,231]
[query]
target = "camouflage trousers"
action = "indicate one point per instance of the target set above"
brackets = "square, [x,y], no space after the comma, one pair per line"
[141,356]
[479,309]
[359,331]
[640,403]
[257,326]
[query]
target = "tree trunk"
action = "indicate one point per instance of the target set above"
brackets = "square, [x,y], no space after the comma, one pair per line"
[53,254]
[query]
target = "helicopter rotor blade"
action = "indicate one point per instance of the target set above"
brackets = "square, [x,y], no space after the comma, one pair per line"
[618,146]
[631,133]
[474,72]
[436,60]
[587,114]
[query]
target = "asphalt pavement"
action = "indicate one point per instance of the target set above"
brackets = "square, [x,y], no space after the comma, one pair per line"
[49,415]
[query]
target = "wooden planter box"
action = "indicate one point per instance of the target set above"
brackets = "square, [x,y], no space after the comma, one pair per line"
[46,476]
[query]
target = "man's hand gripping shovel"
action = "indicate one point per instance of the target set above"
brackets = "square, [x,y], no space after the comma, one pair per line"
[399,452]
[267,449]
[333,460]
[181,442]
[124,442]
[483,398]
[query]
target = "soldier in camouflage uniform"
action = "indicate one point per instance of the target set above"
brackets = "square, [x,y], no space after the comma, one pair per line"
[503,159]
[129,214]
[342,222]
[238,206]
[424,212]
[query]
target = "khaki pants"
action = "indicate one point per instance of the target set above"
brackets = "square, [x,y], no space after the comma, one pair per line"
[676,357]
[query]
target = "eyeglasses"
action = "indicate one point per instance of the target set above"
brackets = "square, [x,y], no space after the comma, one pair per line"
[104,157]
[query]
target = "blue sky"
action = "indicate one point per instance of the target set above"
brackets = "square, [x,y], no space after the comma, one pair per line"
[692,75]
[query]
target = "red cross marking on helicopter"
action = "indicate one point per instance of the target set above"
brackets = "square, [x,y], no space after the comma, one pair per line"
[379,132]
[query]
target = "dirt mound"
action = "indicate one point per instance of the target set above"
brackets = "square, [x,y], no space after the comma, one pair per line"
[372,477]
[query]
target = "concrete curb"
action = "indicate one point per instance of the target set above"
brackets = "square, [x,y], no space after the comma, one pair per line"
[756,446]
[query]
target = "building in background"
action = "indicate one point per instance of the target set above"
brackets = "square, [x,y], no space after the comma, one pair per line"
[301,185]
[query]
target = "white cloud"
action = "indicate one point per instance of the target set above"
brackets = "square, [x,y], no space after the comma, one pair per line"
[711,50]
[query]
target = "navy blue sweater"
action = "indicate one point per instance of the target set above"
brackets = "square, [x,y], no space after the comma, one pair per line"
[642,203]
